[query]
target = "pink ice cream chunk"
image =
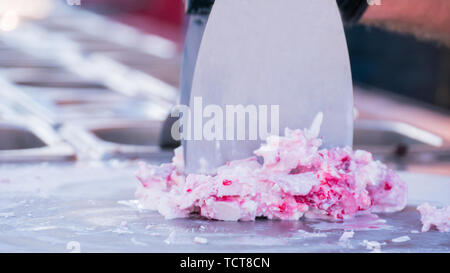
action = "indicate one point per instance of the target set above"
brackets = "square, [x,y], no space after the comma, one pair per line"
[296,179]
[434,217]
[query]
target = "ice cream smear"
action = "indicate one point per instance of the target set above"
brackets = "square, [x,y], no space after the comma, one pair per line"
[431,216]
[296,179]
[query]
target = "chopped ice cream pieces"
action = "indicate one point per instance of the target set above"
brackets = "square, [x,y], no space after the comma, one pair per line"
[373,245]
[137,243]
[200,240]
[122,230]
[171,238]
[297,179]
[401,239]
[347,235]
[306,234]
[434,217]
[344,240]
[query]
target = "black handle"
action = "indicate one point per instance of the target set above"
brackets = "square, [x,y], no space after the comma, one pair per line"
[351,10]
[199,6]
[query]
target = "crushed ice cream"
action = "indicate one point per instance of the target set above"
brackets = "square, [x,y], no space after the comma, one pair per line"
[373,245]
[200,240]
[297,179]
[434,217]
[401,239]
[347,235]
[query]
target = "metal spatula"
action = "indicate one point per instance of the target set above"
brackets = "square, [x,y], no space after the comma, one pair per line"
[290,53]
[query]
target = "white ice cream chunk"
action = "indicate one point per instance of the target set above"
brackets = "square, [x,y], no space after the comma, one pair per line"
[200,240]
[346,235]
[401,239]
[434,217]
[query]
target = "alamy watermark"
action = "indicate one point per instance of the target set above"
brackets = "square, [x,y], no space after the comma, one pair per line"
[231,122]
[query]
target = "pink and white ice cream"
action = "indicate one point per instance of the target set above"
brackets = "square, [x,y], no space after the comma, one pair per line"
[297,179]
[434,217]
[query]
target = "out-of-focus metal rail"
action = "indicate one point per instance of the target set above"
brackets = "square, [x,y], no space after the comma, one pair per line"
[31,140]
[57,74]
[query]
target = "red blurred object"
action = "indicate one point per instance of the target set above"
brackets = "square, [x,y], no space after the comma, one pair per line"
[162,17]
[170,11]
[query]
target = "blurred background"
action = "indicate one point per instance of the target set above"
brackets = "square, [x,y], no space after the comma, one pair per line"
[93,80]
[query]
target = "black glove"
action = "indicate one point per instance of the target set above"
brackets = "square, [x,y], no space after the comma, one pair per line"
[351,10]
[198,6]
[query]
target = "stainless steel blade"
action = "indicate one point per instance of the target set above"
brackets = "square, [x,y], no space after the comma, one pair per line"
[290,53]
[197,24]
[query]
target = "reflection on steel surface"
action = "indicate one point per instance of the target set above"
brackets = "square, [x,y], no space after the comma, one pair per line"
[29,140]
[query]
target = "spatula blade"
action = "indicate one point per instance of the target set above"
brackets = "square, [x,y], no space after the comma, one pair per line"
[290,53]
